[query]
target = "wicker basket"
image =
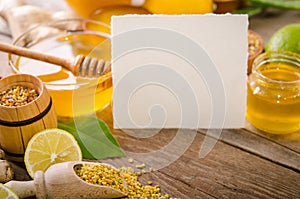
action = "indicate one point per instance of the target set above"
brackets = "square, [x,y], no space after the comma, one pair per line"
[19,124]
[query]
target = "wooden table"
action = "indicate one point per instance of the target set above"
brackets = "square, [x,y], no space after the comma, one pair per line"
[245,163]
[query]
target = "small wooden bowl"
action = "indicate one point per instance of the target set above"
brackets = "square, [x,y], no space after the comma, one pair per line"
[19,124]
[255,47]
[225,6]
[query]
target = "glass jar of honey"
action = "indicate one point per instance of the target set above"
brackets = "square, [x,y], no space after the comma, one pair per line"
[273,103]
[72,95]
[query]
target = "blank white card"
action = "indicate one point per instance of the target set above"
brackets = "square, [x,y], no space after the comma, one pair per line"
[179,71]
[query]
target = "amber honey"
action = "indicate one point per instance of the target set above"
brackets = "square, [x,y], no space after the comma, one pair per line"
[274,93]
[72,96]
[104,14]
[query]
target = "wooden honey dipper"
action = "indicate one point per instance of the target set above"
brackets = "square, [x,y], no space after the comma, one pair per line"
[61,181]
[83,66]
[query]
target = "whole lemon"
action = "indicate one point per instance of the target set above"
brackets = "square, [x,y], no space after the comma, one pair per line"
[286,38]
[179,6]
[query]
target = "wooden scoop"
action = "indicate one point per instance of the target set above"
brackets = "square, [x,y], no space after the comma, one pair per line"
[83,66]
[61,181]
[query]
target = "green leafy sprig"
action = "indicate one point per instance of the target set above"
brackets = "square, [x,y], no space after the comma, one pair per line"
[258,6]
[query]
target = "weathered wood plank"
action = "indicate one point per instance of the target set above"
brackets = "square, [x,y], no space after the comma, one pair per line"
[174,187]
[227,172]
[261,146]
[283,150]
[291,140]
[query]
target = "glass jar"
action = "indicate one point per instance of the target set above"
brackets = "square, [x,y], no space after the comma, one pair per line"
[273,103]
[72,95]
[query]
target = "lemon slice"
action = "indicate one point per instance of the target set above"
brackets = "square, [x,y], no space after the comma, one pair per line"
[49,147]
[7,193]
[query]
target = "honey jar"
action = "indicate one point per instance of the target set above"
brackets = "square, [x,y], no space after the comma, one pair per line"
[273,103]
[72,96]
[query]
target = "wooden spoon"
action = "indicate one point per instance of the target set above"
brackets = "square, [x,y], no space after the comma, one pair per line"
[61,181]
[83,66]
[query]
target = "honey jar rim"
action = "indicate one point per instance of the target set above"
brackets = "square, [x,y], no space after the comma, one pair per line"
[51,23]
[281,55]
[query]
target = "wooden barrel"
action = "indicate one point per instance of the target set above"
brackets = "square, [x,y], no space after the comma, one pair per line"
[19,123]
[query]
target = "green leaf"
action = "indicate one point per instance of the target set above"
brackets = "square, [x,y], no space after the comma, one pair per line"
[283,4]
[94,138]
[251,10]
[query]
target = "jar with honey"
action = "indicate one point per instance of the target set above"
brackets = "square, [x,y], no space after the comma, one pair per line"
[72,96]
[273,103]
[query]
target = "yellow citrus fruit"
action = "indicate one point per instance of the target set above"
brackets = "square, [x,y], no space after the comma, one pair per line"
[7,193]
[49,147]
[179,6]
[286,38]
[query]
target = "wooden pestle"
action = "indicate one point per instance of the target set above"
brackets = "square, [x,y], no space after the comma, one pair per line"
[61,182]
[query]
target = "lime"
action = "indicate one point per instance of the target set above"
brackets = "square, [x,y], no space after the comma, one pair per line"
[7,193]
[286,38]
[49,147]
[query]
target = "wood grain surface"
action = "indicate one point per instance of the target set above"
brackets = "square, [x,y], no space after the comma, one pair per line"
[233,169]
[245,163]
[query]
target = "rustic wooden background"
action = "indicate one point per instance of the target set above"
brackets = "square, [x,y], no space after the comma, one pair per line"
[245,163]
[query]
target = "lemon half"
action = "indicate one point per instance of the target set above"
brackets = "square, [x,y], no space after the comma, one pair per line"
[7,193]
[49,147]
